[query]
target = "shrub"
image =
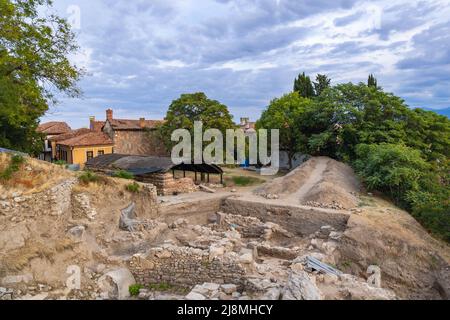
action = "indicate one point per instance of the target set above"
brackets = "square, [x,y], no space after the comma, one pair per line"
[14,166]
[132,187]
[88,177]
[60,162]
[123,174]
[134,289]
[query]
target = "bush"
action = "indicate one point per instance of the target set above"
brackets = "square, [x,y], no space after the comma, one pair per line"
[134,289]
[123,174]
[14,166]
[60,162]
[88,177]
[132,187]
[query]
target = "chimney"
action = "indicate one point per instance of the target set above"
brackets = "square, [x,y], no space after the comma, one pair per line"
[109,114]
[142,122]
[91,122]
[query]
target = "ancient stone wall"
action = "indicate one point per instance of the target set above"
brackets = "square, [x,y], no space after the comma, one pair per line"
[167,185]
[299,221]
[185,267]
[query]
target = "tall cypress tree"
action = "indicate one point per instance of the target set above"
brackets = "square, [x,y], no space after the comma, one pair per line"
[372,81]
[322,83]
[304,86]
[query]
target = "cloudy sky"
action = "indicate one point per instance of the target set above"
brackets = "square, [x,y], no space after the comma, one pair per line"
[142,54]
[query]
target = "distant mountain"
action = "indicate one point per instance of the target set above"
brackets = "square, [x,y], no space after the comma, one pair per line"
[444,112]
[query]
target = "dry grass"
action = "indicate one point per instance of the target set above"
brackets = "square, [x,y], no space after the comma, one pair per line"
[33,176]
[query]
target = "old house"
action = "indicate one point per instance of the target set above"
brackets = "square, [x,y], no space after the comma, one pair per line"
[81,147]
[49,130]
[53,141]
[247,125]
[133,137]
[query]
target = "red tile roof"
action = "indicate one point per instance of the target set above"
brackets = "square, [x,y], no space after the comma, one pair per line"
[89,139]
[54,127]
[69,135]
[97,125]
[126,124]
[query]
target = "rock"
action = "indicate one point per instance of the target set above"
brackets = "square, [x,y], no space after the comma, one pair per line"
[335,235]
[179,223]
[19,199]
[40,296]
[6,294]
[233,190]
[235,295]
[211,286]
[194,296]
[25,278]
[163,254]
[300,287]
[246,258]
[228,288]
[272,294]
[206,189]
[215,252]
[329,278]
[77,232]
[117,283]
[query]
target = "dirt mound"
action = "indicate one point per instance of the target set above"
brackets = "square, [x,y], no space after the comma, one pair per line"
[33,176]
[319,182]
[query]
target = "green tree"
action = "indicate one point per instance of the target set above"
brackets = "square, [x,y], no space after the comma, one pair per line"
[34,66]
[192,107]
[322,82]
[304,86]
[283,114]
[372,81]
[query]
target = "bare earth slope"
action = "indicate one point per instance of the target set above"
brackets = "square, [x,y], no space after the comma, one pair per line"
[320,181]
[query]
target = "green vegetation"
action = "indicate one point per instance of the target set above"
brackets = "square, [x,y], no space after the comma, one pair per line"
[60,163]
[88,176]
[245,181]
[123,174]
[134,289]
[34,68]
[14,166]
[401,152]
[188,108]
[163,286]
[132,187]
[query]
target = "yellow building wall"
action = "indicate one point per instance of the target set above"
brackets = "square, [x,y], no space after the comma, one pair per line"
[79,155]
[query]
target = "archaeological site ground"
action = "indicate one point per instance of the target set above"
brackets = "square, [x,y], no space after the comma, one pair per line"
[311,234]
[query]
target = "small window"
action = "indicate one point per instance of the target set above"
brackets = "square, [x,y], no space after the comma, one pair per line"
[101,152]
[89,155]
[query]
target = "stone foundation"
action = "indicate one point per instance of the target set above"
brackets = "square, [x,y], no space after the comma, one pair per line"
[167,185]
[299,221]
[185,267]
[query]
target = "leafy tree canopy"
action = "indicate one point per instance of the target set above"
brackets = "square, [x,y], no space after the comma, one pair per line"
[34,66]
[283,114]
[192,107]
[304,86]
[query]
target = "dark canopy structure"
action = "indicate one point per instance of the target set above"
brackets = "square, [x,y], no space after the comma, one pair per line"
[141,165]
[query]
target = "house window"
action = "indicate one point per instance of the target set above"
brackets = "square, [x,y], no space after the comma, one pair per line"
[101,152]
[89,155]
